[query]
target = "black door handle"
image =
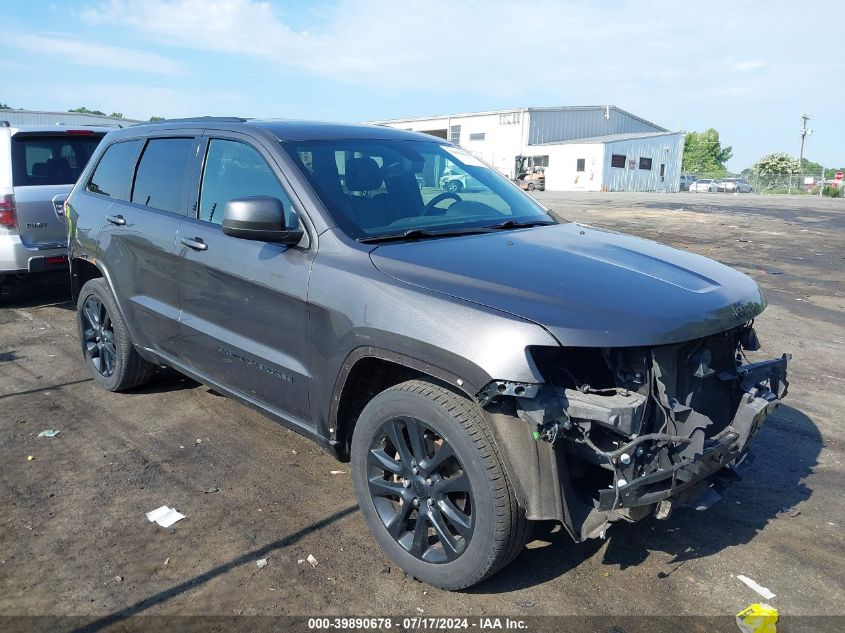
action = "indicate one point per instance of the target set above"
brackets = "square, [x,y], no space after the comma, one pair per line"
[195,243]
[116,219]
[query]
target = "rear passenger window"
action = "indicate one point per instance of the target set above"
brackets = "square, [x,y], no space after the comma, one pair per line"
[114,171]
[235,170]
[160,178]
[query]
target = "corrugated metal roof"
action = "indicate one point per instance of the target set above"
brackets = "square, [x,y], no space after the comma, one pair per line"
[569,110]
[38,117]
[548,126]
[610,138]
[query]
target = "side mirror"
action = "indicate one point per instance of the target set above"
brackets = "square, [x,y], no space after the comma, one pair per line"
[259,218]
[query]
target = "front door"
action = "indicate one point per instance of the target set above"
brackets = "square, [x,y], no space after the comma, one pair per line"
[244,316]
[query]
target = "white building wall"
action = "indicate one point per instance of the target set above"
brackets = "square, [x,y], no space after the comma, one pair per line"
[663,150]
[562,172]
[504,135]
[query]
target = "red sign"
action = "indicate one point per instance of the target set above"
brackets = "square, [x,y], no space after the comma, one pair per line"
[839,175]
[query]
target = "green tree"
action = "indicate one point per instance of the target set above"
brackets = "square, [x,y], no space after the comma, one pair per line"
[5,106]
[84,110]
[704,154]
[811,168]
[116,115]
[156,118]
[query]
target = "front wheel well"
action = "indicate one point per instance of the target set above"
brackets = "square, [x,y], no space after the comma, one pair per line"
[81,272]
[367,378]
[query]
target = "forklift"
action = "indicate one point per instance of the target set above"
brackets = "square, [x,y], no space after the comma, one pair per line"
[528,175]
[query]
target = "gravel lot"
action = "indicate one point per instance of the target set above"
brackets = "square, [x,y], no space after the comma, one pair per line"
[74,539]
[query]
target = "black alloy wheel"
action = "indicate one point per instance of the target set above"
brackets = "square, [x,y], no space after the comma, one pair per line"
[420,490]
[432,487]
[98,336]
[108,349]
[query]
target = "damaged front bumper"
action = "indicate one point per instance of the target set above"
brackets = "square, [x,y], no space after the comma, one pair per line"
[672,430]
[764,384]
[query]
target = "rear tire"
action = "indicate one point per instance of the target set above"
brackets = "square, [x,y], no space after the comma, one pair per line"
[530,186]
[106,345]
[447,513]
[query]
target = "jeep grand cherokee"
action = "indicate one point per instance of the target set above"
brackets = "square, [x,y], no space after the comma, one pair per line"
[480,363]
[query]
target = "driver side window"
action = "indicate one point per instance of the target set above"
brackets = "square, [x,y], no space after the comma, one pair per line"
[236,170]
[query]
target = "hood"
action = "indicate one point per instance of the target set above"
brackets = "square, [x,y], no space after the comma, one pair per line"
[588,287]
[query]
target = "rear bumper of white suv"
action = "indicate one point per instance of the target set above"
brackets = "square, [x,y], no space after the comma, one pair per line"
[17,257]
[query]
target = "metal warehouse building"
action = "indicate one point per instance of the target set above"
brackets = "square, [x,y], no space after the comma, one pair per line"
[583,148]
[35,117]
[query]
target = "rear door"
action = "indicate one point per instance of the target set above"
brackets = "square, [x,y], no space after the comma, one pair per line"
[138,240]
[244,314]
[45,165]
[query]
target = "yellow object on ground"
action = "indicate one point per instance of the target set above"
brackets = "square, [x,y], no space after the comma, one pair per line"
[757,618]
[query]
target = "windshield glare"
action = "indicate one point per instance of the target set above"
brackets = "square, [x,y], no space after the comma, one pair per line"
[386,187]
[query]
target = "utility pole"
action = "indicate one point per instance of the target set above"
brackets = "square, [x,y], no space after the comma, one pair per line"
[805,131]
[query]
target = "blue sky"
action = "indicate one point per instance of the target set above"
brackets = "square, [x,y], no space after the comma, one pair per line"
[749,69]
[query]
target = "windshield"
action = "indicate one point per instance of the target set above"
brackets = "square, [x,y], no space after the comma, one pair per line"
[386,187]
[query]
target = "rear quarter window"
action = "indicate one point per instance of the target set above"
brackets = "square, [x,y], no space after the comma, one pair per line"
[50,160]
[113,174]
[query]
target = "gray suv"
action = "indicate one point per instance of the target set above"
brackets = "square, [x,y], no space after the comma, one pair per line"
[481,364]
[38,167]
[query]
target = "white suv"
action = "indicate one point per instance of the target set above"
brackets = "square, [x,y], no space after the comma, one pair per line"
[38,167]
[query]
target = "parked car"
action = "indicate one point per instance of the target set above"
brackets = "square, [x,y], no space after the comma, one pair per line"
[37,165]
[481,364]
[455,182]
[686,181]
[733,185]
[703,185]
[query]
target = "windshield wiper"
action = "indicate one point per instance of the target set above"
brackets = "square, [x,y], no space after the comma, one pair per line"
[419,234]
[516,224]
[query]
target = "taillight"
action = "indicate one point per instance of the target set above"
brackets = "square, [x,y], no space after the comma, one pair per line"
[8,211]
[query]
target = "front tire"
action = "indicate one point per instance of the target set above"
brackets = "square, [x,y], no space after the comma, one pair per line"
[106,346]
[432,488]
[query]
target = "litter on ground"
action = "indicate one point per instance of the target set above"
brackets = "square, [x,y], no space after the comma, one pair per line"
[48,433]
[261,563]
[164,516]
[763,591]
[338,472]
[757,618]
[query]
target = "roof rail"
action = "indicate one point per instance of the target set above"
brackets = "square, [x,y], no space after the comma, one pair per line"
[204,119]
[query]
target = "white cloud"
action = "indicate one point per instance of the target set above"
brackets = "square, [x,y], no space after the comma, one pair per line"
[439,46]
[75,51]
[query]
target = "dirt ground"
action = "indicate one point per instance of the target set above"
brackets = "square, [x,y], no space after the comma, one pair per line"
[74,539]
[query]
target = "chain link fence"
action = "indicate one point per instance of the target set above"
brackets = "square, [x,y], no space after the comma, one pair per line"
[784,184]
